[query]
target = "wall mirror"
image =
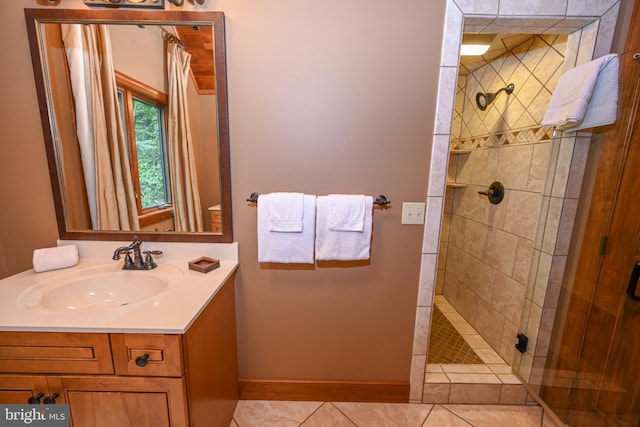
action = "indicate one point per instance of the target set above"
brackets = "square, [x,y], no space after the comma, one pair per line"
[135,121]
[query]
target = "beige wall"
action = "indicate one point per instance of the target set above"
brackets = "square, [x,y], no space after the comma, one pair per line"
[325,97]
[27,218]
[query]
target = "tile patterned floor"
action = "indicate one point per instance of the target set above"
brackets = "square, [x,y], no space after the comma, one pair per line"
[261,413]
[446,345]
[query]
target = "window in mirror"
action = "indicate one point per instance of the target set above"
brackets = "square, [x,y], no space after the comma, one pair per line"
[150,152]
[143,117]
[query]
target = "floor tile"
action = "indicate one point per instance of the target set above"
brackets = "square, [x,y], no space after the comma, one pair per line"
[436,377]
[498,416]
[440,299]
[500,368]
[464,328]
[436,393]
[513,394]
[475,393]
[454,317]
[476,341]
[328,415]
[265,413]
[441,417]
[489,355]
[467,369]
[433,367]
[509,379]
[472,378]
[385,414]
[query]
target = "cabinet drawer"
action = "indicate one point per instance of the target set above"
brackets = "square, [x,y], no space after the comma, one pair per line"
[55,352]
[163,354]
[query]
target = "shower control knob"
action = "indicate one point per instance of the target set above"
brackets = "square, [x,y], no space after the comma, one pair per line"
[495,193]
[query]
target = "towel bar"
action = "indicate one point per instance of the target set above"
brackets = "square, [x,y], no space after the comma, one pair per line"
[380,200]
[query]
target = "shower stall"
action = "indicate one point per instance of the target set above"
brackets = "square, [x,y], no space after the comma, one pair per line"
[486,248]
[502,266]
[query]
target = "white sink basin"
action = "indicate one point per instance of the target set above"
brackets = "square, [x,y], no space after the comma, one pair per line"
[97,288]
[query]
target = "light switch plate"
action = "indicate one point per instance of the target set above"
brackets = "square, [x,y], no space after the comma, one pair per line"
[413,213]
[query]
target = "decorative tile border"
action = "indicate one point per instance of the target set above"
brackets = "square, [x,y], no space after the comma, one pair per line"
[532,135]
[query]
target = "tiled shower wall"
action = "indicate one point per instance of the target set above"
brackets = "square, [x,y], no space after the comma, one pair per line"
[486,249]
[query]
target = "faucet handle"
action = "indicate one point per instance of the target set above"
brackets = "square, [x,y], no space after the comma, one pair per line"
[127,259]
[148,260]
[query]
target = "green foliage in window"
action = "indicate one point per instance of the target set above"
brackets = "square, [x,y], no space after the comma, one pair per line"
[151,164]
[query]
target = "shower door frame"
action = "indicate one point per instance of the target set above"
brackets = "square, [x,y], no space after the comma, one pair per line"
[590,28]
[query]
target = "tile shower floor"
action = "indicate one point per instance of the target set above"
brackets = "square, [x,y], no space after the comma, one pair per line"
[462,368]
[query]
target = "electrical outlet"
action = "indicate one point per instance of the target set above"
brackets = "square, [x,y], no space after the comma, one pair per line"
[412,213]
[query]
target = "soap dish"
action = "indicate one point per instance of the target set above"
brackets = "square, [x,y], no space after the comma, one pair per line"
[204,264]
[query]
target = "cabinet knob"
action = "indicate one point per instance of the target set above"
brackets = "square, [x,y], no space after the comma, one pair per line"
[142,360]
[35,400]
[51,400]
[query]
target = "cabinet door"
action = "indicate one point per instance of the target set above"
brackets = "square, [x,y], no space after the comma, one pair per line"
[122,402]
[17,389]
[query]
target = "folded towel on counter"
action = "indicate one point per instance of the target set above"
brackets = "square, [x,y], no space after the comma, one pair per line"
[574,94]
[346,212]
[285,211]
[286,247]
[342,245]
[54,258]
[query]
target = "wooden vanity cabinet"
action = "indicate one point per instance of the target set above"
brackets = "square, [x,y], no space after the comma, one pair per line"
[127,379]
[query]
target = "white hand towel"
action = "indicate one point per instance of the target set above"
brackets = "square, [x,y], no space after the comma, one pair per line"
[274,246]
[603,107]
[570,100]
[286,211]
[342,245]
[346,212]
[54,258]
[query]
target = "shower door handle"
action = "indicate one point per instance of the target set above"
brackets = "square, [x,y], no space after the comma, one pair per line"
[633,282]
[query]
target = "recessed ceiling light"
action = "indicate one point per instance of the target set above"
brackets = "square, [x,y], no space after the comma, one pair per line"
[476,44]
[474,49]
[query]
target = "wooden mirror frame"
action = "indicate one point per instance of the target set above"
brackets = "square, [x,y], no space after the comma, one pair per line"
[215,19]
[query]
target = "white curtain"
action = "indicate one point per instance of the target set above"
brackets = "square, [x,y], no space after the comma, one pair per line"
[182,166]
[103,146]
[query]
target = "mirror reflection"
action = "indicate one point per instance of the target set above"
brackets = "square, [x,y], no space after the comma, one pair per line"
[137,123]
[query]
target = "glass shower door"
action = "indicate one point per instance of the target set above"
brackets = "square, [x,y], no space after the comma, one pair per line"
[592,377]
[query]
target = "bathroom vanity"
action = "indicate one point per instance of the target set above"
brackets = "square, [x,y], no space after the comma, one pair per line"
[169,359]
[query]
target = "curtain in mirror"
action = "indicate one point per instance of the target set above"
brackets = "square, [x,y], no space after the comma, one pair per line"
[105,159]
[182,163]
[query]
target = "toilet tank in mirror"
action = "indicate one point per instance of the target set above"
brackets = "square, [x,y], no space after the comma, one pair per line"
[135,121]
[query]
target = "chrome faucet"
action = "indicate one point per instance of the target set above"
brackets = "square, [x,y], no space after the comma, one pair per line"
[136,262]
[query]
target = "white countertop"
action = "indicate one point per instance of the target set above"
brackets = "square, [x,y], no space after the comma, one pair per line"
[171,311]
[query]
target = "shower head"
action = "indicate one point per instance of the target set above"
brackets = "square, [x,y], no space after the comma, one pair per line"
[484,99]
